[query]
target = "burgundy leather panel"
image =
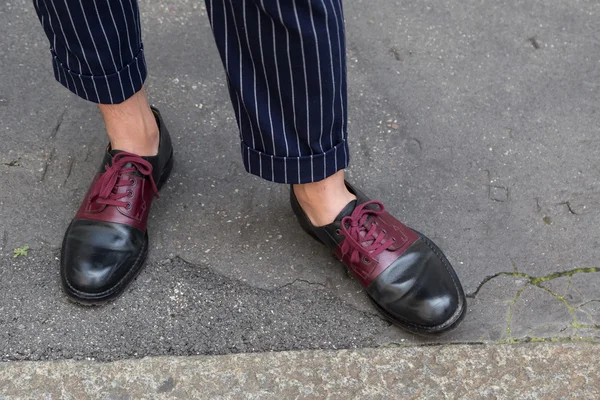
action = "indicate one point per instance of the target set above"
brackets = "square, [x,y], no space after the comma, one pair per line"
[140,198]
[365,272]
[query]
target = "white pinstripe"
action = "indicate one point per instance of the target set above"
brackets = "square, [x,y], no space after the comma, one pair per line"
[139,19]
[81,80]
[226,58]
[95,48]
[64,73]
[262,58]
[121,45]
[70,69]
[127,29]
[283,130]
[130,78]
[78,40]
[137,24]
[344,134]
[249,165]
[54,46]
[116,31]
[67,45]
[242,82]
[287,35]
[137,62]
[312,19]
[332,83]
[312,173]
[239,109]
[130,49]
[110,50]
[138,29]
[342,11]
[254,82]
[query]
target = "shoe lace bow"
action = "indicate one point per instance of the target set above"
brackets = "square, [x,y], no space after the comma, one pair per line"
[373,242]
[105,192]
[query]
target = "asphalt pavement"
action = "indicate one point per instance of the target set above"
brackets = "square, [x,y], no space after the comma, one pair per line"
[474,121]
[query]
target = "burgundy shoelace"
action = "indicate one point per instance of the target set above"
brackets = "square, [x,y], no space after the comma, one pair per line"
[375,240]
[105,191]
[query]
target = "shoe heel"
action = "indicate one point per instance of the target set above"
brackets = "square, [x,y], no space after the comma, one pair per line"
[166,172]
[307,229]
[301,217]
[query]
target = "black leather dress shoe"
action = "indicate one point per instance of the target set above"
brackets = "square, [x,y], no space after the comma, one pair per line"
[105,245]
[406,276]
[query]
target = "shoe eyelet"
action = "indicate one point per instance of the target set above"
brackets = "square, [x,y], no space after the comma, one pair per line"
[338,232]
[366,260]
[129,193]
[375,223]
[128,206]
[132,181]
[394,239]
[384,231]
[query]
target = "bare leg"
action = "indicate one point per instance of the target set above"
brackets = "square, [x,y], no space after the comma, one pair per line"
[131,125]
[322,201]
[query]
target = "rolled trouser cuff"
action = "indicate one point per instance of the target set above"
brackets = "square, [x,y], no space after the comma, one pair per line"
[104,89]
[294,170]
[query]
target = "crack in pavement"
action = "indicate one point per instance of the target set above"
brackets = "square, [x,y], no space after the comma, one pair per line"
[510,310]
[300,280]
[324,285]
[57,125]
[533,280]
[568,204]
[539,282]
[575,324]
[47,164]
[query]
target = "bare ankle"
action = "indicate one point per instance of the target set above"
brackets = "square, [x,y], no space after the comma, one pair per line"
[322,201]
[131,125]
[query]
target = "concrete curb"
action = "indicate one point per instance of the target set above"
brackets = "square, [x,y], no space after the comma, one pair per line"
[531,371]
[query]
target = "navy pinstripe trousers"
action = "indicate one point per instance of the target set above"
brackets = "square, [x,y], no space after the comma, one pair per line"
[284,59]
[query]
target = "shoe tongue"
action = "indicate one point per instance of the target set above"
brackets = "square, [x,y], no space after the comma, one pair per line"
[113,153]
[347,210]
[153,160]
[109,155]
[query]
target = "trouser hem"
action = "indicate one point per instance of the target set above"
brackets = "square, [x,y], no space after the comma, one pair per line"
[111,88]
[295,170]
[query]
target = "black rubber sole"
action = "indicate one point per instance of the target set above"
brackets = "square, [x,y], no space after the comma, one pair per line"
[456,319]
[98,299]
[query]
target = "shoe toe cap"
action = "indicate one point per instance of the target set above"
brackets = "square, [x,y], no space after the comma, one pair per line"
[420,290]
[97,255]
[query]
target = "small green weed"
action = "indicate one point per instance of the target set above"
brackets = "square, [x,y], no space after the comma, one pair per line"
[20,251]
